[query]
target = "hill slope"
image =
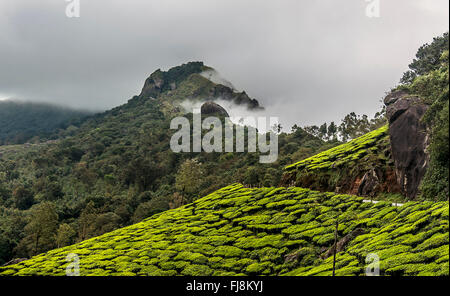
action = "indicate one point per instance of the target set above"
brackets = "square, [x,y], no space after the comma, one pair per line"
[363,166]
[265,231]
[117,168]
[20,122]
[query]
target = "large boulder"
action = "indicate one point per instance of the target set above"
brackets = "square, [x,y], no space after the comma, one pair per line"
[222,91]
[153,85]
[213,109]
[409,139]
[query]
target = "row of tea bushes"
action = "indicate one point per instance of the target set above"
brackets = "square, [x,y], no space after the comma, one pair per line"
[263,231]
[342,168]
[370,144]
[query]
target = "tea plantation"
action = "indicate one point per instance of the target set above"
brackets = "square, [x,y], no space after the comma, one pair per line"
[371,144]
[341,169]
[265,231]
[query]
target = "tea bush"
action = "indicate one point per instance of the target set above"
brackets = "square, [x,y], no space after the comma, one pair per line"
[287,231]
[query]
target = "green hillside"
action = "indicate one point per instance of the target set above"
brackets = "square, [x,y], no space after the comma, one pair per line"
[21,122]
[265,231]
[347,154]
[342,168]
[117,168]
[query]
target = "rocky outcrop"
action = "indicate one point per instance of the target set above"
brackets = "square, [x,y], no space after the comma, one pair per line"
[162,81]
[369,183]
[211,108]
[409,140]
[153,85]
[373,182]
[243,98]
[228,94]
[222,91]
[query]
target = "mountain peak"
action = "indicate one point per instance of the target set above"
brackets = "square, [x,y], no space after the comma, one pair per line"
[160,81]
[194,81]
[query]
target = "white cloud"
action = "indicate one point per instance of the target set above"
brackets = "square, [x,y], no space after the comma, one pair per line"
[308,61]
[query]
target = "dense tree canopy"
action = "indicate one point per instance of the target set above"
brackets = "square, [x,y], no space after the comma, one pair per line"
[23,122]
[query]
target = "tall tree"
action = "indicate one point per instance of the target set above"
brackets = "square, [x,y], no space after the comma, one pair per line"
[251,176]
[323,131]
[188,178]
[86,221]
[65,235]
[332,130]
[312,130]
[40,230]
[23,197]
[428,58]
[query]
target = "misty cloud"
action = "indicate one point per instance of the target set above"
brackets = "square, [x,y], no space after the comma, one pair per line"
[305,61]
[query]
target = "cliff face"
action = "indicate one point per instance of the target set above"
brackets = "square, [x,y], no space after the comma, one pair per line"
[409,140]
[179,82]
[211,109]
[392,159]
[161,81]
[362,167]
[264,231]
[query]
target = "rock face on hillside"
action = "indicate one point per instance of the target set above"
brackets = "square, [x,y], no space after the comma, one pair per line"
[211,108]
[409,139]
[226,93]
[161,82]
[153,85]
[363,167]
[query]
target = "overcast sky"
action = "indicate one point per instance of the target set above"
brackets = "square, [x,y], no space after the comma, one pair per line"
[305,61]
